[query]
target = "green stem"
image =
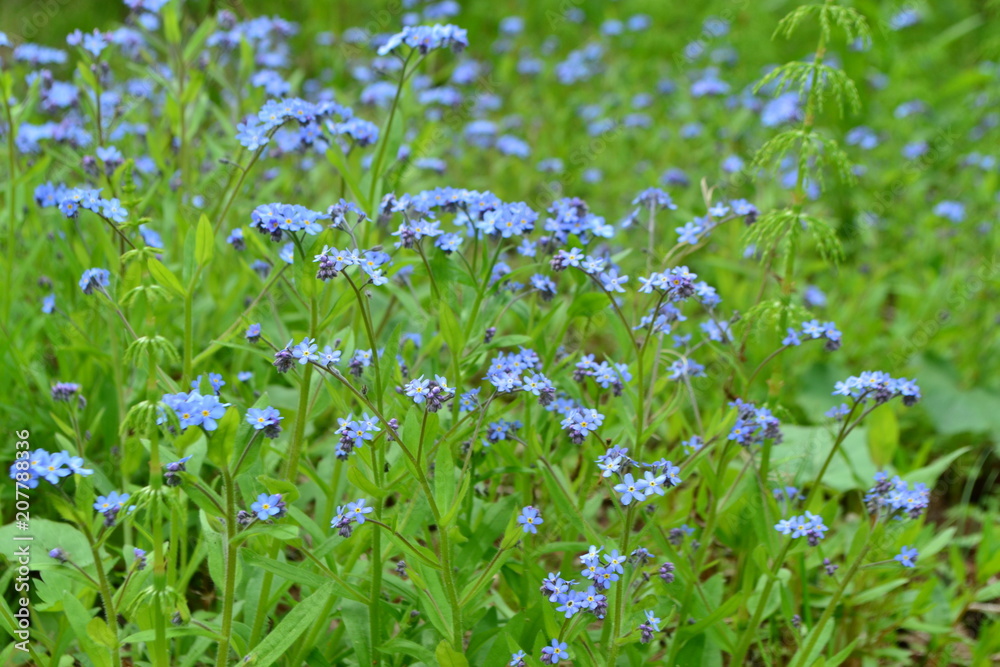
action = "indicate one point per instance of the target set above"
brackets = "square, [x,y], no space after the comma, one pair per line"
[748,633]
[160,657]
[384,136]
[481,291]
[188,335]
[106,596]
[831,606]
[621,593]
[229,554]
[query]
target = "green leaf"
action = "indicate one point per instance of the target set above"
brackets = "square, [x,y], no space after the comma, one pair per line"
[773,597]
[337,158]
[165,277]
[929,474]
[444,477]
[588,305]
[823,636]
[448,656]
[101,633]
[171,23]
[876,592]
[425,555]
[221,441]
[289,491]
[450,329]
[294,623]
[400,646]
[204,247]
[355,615]
[387,362]
[883,435]
[842,655]
[357,478]
[78,617]
[297,573]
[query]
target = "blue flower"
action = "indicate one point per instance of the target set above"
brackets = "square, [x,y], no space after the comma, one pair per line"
[357,510]
[631,489]
[261,418]
[50,467]
[615,561]
[570,603]
[530,518]
[111,502]
[612,282]
[252,135]
[792,338]
[305,351]
[907,557]
[215,379]
[94,279]
[253,333]
[114,211]
[417,389]
[267,506]
[555,652]
[809,526]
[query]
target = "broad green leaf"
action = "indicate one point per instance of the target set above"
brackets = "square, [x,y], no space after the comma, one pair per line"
[204,241]
[447,656]
[355,615]
[292,625]
[165,277]
[79,619]
[883,435]
[222,440]
[101,633]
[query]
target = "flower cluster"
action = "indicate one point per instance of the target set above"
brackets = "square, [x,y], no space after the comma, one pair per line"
[894,498]
[69,201]
[354,432]
[351,513]
[193,409]
[94,279]
[426,38]
[511,372]
[256,131]
[647,628]
[695,231]
[110,505]
[62,392]
[433,393]
[607,376]
[572,216]
[170,476]
[658,476]
[37,464]
[266,419]
[808,525]
[276,219]
[814,330]
[754,425]
[879,386]
[332,261]
[500,431]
